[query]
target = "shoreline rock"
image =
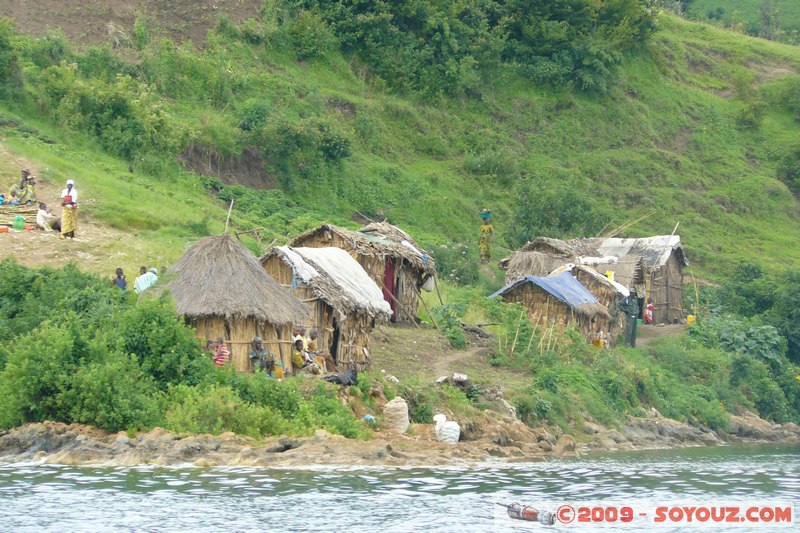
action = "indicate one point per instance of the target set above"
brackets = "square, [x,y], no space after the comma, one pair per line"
[504,440]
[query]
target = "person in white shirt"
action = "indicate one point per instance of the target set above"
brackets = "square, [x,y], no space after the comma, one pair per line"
[69,211]
[144,280]
[47,220]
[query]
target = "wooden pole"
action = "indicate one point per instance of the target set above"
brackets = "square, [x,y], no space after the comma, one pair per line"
[421,299]
[516,335]
[397,301]
[439,294]
[227,220]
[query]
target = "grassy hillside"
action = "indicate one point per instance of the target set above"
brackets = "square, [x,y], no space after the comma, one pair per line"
[693,128]
[756,17]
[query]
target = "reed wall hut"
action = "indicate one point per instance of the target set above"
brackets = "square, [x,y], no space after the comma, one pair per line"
[652,265]
[222,290]
[608,293]
[390,257]
[559,300]
[663,259]
[344,302]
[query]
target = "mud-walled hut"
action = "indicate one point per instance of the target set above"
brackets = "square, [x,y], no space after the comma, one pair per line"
[223,291]
[390,257]
[559,300]
[345,303]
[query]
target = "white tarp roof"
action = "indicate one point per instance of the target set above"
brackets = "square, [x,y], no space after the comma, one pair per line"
[342,269]
[654,250]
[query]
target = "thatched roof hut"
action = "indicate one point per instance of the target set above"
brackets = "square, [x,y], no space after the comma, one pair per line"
[653,265]
[388,254]
[663,258]
[608,293]
[344,301]
[561,300]
[221,288]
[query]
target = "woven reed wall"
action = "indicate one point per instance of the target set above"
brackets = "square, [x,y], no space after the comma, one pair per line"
[546,310]
[407,278]
[666,290]
[353,347]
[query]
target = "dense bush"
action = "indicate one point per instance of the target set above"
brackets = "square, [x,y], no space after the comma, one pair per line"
[216,409]
[555,207]
[436,48]
[77,349]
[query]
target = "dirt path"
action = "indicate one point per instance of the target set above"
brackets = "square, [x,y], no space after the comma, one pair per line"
[454,361]
[646,334]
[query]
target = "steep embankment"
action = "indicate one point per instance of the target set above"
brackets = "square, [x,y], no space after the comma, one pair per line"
[692,130]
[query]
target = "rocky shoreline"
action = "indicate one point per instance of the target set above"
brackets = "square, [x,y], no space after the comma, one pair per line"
[484,440]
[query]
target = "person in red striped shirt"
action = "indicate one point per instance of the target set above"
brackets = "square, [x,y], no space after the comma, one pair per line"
[221,354]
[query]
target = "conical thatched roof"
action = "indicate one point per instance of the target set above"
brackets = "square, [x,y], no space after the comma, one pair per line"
[218,276]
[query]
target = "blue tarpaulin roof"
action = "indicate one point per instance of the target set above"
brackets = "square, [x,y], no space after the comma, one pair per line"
[563,286]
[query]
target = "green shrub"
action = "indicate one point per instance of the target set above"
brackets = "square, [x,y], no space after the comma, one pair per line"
[114,395]
[310,35]
[448,318]
[422,413]
[39,372]
[10,72]
[216,409]
[324,410]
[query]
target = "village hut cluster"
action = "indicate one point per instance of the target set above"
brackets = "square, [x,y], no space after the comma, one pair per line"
[343,282]
[608,269]
[336,281]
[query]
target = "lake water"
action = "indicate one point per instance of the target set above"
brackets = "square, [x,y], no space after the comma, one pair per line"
[37,497]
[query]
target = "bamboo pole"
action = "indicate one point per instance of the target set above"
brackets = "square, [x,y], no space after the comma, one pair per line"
[421,299]
[516,335]
[228,219]
[396,301]
[436,286]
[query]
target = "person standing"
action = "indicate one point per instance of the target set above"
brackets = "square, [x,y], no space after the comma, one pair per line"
[69,211]
[120,280]
[487,235]
[630,306]
[221,354]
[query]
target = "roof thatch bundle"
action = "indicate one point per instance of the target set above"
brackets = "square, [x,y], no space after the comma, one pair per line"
[334,277]
[218,276]
[376,239]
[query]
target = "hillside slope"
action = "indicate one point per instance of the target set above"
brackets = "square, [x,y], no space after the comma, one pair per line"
[674,137]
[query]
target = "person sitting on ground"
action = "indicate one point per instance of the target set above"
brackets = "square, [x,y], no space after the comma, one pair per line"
[261,359]
[46,219]
[298,361]
[119,280]
[27,195]
[323,359]
[144,280]
[12,199]
[299,333]
[24,190]
[221,353]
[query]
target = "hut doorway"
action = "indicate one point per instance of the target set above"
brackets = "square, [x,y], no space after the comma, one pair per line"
[389,293]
